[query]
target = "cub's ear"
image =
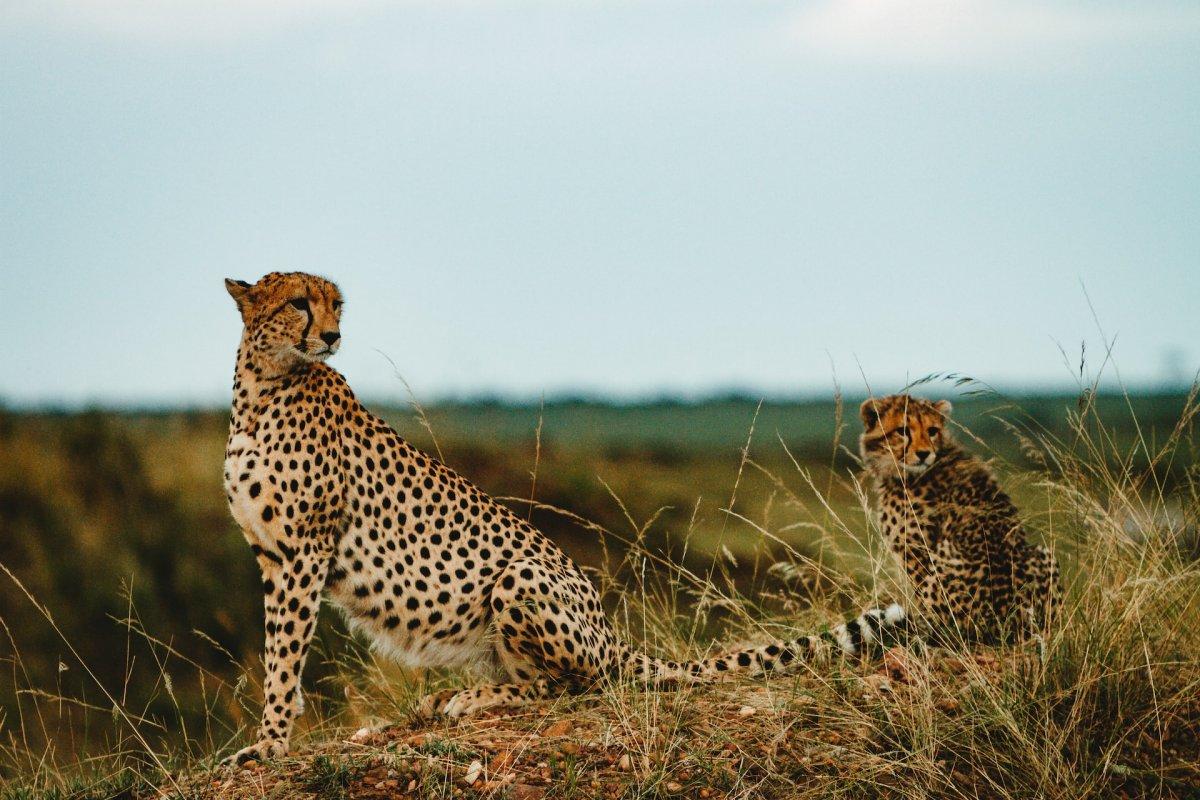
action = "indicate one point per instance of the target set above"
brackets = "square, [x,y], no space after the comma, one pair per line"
[944,407]
[239,291]
[869,411]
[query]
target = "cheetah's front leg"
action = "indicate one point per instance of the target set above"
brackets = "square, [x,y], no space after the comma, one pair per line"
[291,598]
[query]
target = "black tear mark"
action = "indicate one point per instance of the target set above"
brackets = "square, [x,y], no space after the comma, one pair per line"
[302,347]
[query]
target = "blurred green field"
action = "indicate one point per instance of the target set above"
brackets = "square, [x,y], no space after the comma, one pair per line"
[120,554]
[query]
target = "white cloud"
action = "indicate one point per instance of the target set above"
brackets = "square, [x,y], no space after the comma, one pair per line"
[933,32]
[177,20]
[870,31]
[208,21]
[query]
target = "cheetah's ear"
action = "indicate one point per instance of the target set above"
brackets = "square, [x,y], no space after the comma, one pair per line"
[869,411]
[239,291]
[944,407]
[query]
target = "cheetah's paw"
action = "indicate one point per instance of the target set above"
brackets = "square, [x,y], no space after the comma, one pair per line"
[434,705]
[259,751]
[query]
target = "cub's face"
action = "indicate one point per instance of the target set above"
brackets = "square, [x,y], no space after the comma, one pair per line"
[901,432]
[291,318]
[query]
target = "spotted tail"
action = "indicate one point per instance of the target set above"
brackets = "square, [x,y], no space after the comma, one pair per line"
[872,630]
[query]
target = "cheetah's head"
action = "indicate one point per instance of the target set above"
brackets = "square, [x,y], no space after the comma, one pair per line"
[290,318]
[901,432]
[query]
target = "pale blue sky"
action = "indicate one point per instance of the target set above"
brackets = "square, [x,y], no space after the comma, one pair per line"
[622,198]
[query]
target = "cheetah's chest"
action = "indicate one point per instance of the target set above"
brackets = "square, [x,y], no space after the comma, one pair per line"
[243,488]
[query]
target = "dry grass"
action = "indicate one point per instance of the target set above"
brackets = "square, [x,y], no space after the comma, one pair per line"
[1107,704]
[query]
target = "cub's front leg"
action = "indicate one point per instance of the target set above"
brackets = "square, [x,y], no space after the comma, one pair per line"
[293,578]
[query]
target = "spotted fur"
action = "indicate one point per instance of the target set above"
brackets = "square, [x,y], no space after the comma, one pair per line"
[951,527]
[435,572]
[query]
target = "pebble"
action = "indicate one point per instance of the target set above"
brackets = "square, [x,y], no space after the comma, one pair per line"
[560,728]
[898,664]
[473,772]
[947,705]
[747,711]
[880,683]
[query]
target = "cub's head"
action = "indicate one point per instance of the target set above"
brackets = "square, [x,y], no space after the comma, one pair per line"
[291,318]
[901,432]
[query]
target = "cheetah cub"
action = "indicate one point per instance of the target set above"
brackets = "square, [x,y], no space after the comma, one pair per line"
[333,502]
[950,526]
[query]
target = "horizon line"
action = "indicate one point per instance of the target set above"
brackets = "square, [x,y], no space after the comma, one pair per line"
[660,397]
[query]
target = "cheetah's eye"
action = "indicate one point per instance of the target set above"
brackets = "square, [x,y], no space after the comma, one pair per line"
[337,304]
[933,430]
[300,303]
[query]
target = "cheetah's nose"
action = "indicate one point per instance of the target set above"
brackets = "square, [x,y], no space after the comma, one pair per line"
[922,455]
[329,337]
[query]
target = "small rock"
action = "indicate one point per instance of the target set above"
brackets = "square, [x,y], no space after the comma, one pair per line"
[986,659]
[956,665]
[625,763]
[502,761]
[560,728]
[880,683]
[361,735]
[747,711]
[898,663]
[673,787]
[473,772]
[947,705]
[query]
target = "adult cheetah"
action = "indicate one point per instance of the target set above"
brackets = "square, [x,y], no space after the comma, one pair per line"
[433,570]
[952,528]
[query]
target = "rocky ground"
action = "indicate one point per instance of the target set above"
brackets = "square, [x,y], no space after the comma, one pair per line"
[849,732]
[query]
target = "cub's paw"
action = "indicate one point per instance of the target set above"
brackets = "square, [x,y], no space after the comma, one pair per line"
[434,705]
[259,751]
